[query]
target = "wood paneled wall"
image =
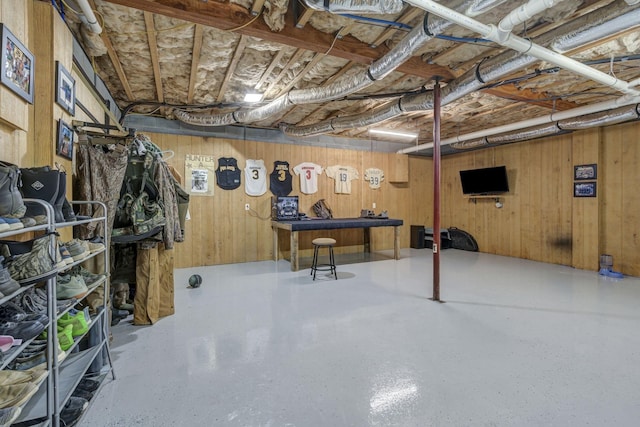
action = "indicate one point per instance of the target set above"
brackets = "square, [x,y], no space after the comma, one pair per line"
[221,231]
[619,194]
[540,219]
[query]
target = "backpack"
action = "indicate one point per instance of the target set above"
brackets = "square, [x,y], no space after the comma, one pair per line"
[322,210]
[460,239]
[139,213]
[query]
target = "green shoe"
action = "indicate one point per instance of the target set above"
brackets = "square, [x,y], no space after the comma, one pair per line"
[65,337]
[78,323]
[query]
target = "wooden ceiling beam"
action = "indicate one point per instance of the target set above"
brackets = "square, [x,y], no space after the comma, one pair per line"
[512,93]
[317,58]
[153,50]
[257,7]
[304,18]
[390,32]
[294,58]
[115,60]
[234,17]
[195,61]
[232,67]
[274,62]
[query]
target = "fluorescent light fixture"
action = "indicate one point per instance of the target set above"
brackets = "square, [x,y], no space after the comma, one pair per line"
[393,133]
[253,97]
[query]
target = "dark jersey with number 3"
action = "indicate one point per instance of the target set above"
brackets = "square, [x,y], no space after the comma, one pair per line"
[281,179]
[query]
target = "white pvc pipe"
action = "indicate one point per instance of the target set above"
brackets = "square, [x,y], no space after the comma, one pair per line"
[522,13]
[550,118]
[89,17]
[519,44]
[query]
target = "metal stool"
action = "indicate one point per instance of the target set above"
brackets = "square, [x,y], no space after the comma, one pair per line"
[323,242]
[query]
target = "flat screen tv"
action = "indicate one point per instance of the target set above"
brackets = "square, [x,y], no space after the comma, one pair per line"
[485,181]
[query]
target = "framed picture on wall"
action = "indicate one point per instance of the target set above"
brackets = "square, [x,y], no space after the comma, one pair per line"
[17,65]
[584,189]
[585,172]
[65,89]
[64,146]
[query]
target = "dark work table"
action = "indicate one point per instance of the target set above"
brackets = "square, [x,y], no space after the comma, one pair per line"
[332,224]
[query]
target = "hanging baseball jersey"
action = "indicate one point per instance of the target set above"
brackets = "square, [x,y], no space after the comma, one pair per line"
[255,177]
[342,175]
[280,180]
[228,173]
[308,176]
[374,176]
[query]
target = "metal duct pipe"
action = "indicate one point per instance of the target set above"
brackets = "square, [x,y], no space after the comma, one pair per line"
[349,84]
[573,40]
[605,118]
[529,133]
[492,69]
[89,18]
[550,118]
[357,6]
[523,45]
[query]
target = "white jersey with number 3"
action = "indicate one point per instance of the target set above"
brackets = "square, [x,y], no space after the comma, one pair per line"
[308,176]
[255,177]
[343,175]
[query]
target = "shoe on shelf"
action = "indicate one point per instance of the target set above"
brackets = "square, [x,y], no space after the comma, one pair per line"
[4,226]
[64,253]
[84,394]
[32,266]
[28,221]
[70,286]
[6,342]
[78,249]
[88,384]
[11,312]
[89,277]
[22,330]
[7,284]
[72,411]
[9,415]
[17,394]
[14,223]
[95,247]
[78,322]
[65,336]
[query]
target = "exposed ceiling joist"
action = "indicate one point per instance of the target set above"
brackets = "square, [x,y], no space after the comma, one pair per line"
[231,16]
[390,32]
[153,50]
[274,62]
[317,58]
[304,18]
[195,61]
[113,56]
[527,95]
[257,7]
[292,61]
[232,67]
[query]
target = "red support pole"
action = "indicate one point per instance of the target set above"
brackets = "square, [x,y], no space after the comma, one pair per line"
[436,192]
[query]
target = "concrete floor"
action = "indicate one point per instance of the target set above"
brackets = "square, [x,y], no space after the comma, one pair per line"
[517,343]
